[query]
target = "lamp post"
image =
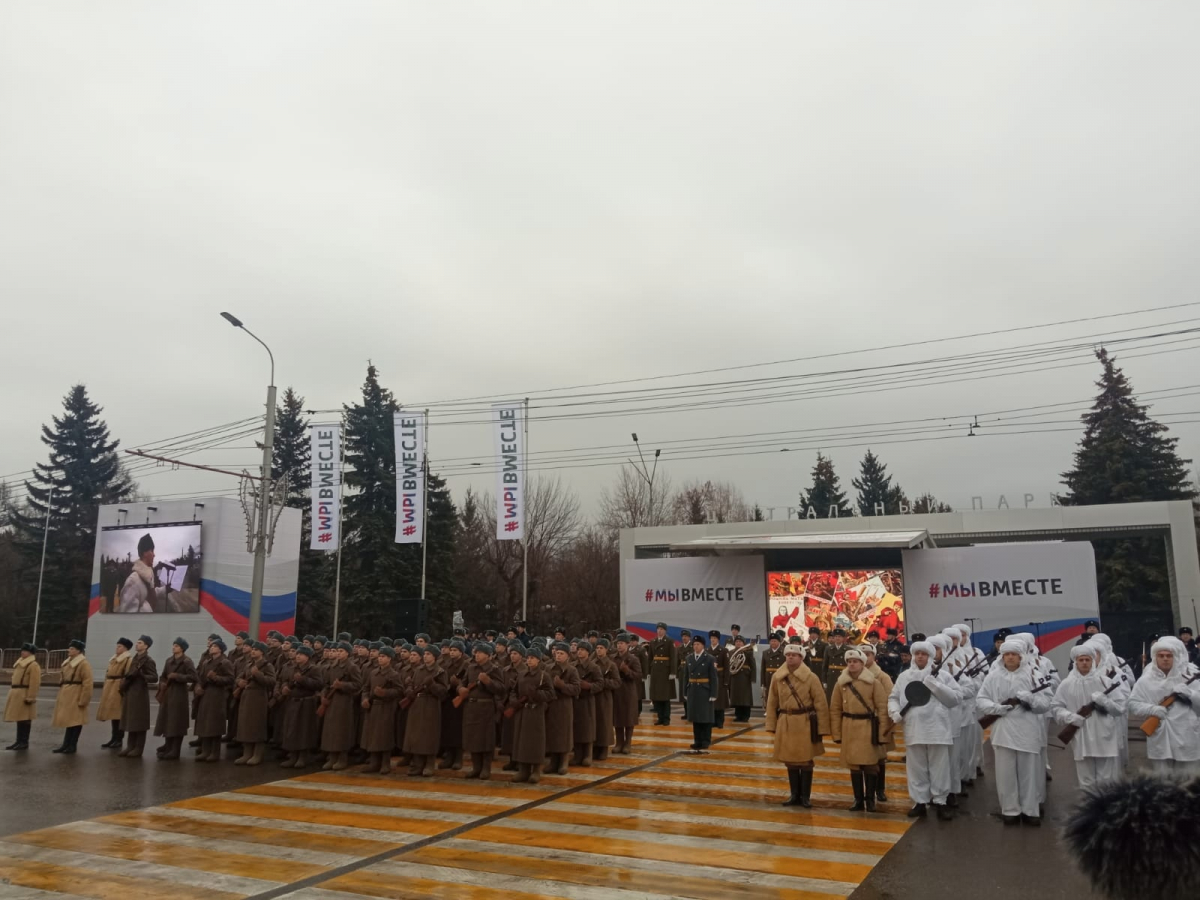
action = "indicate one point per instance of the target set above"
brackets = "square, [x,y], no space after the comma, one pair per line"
[647,476]
[264,490]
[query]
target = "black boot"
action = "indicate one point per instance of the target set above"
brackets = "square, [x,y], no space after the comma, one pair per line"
[919,811]
[806,777]
[872,786]
[793,783]
[856,781]
[22,741]
[879,794]
[72,739]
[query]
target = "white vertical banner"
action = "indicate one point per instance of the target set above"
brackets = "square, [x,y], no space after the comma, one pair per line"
[409,429]
[510,476]
[326,464]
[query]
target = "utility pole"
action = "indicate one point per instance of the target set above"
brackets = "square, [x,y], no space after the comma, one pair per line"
[263,515]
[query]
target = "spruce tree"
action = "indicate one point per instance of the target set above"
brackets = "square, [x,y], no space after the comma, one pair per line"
[292,448]
[85,473]
[927,503]
[1125,456]
[376,571]
[875,487]
[826,493]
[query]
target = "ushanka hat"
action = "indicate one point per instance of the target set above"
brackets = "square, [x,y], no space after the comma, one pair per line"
[125,642]
[434,649]
[147,640]
[181,643]
[78,645]
[793,650]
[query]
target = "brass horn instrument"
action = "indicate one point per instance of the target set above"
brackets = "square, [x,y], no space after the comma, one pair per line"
[737,660]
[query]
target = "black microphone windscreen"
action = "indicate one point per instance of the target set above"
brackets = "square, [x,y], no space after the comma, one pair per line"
[1139,838]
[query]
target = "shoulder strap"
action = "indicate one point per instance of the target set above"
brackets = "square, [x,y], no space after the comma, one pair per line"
[868,707]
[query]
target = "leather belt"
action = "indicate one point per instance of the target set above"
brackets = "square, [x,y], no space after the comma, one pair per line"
[847,715]
[114,677]
[697,681]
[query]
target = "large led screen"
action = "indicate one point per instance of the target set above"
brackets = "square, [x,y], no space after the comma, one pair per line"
[858,600]
[150,569]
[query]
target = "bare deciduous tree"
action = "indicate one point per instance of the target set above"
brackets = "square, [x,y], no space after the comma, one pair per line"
[629,503]
[552,523]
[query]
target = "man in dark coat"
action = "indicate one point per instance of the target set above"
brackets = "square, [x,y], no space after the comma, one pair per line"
[174,686]
[483,685]
[423,731]
[611,678]
[381,687]
[560,721]
[591,685]
[214,681]
[741,676]
[772,660]
[342,688]
[720,657]
[889,654]
[135,697]
[663,663]
[681,653]
[301,697]
[638,649]
[835,660]
[255,686]
[532,691]
[625,700]
[454,664]
[818,650]
[703,685]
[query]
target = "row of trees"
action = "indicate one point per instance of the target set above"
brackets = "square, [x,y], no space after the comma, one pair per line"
[1123,456]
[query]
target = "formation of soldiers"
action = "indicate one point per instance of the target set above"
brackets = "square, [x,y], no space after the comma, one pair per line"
[539,703]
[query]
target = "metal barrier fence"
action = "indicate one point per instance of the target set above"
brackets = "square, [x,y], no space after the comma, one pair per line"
[49,660]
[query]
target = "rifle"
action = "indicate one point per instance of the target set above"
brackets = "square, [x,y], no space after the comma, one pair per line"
[1068,733]
[989,720]
[461,698]
[1152,722]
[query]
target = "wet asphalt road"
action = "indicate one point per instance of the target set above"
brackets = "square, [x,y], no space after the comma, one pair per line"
[976,856]
[39,788]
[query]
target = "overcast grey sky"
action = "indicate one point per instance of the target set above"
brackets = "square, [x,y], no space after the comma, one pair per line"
[499,197]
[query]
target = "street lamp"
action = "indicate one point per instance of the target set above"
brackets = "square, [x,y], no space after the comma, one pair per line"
[264,490]
[647,475]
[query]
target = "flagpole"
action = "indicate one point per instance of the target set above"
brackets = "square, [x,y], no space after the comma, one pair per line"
[337,581]
[525,516]
[425,503]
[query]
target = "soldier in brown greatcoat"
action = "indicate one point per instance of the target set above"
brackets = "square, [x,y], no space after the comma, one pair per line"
[301,697]
[256,684]
[642,652]
[424,731]
[382,685]
[531,692]
[483,685]
[560,726]
[74,697]
[626,706]
[611,679]
[110,694]
[454,664]
[517,659]
[135,697]
[174,690]
[407,661]
[338,701]
[591,685]
[239,656]
[214,682]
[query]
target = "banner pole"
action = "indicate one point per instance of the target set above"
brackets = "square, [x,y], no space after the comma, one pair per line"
[525,513]
[337,582]
[37,608]
[425,502]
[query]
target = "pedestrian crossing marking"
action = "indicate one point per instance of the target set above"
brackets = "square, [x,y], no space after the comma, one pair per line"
[656,824]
